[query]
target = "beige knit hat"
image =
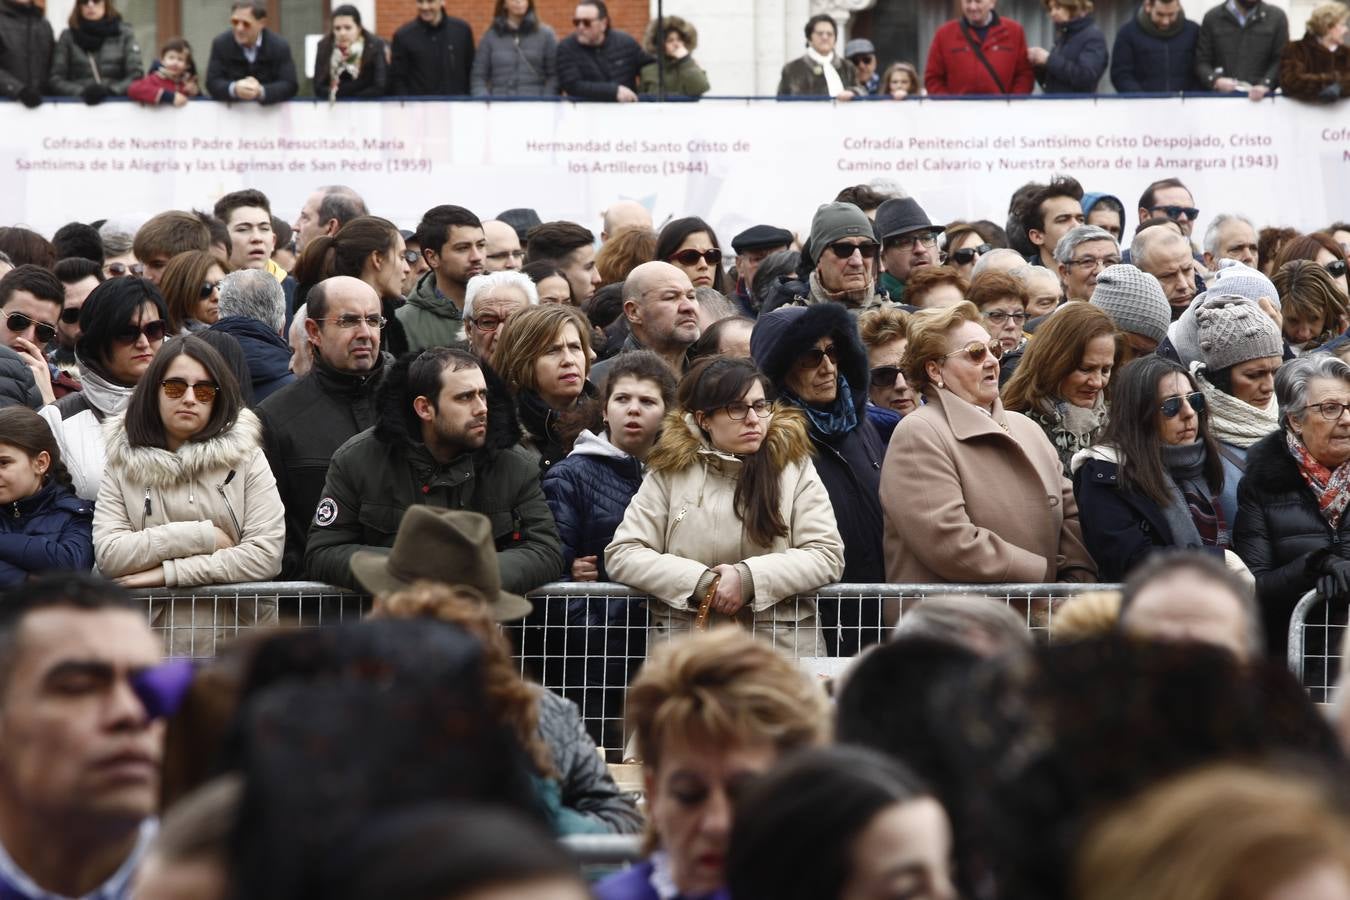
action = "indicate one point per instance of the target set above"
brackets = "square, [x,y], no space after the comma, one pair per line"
[1231,329]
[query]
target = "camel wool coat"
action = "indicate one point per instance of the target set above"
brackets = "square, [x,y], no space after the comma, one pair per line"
[974,498]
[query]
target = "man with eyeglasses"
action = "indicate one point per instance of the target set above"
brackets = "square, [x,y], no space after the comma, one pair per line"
[431,55]
[863,55]
[503,247]
[306,422]
[1170,199]
[908,241]
[249,62]
[598,62]
[30,307]
[489,302]
[1080,256]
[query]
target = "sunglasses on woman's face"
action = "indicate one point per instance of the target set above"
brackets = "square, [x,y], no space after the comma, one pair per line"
[1335,268]
[976,350]
[203,391]
[17,322]
[691,257]
[967,255]
[1171,407]
[813,357]
[208,288]
[153,331]
[884,376]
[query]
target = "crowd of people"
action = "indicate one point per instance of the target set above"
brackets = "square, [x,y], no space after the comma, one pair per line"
[1239,46]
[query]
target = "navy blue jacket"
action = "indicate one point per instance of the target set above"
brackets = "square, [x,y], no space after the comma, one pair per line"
[269,357]
[51,531]
[589,491]
[1077,60]
[1142,62]
[595,73]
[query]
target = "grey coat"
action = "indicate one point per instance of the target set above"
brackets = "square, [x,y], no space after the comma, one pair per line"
[516,63]
[118,60]
[17,387]
[583,776]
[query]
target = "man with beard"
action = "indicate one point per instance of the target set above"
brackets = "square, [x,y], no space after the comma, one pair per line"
[1239,47]
[662,312]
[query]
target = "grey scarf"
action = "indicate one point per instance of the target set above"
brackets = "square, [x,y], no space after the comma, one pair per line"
[1186,467]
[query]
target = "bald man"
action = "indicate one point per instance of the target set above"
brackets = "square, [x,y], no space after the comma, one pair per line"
[503,247]
[1164,253]
[662,312]
[623,215]
[305,422]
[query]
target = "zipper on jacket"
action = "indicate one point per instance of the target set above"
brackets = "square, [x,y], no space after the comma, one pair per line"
[228,508]
[145,516]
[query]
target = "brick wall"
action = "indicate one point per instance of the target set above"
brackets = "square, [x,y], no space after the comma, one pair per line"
[626,15]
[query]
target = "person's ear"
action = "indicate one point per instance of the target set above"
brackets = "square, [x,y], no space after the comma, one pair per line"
[377,260]
[631,312]
[422,407]
[934,372]
[312,331]
[42,462]
[1036,236]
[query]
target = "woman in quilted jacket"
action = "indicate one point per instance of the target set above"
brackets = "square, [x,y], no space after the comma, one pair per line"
[97,56]
[45,527]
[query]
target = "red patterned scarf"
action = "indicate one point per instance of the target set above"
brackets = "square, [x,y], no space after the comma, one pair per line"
[1331,488]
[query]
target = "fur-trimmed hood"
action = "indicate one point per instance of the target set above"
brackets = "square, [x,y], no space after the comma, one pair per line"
[160,469]
[682,443]
[781,336]
[1270,465]
[655,44]
[396,423]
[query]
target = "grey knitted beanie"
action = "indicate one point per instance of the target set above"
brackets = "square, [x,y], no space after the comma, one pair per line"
[1232,329]
[1233,278]
[1134,300]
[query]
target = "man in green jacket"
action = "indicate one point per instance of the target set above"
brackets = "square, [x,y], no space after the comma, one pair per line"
[445,435]
[454,246]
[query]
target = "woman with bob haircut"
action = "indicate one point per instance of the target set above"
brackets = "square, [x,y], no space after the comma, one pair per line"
[373,250]
[123,323]
[839,823]
[1224,832]
[623,253]
[690,245]
[1061,381]
[191,288]
[45,528]
[1317,68]
[544,355]
[350,62]
[1312,304]
[1155,480]
[970,492]
[708,713]
[188,497]
[732,508]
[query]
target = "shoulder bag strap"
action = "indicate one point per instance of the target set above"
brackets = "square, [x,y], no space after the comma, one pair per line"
[979,54]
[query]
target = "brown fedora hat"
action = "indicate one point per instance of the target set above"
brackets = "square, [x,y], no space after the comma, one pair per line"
[450,546]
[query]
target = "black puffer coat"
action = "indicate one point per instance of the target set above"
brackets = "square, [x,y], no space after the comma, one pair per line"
[118,59]
[595,73]
[17,387]
[1278,527]
[26,44]
[589,492]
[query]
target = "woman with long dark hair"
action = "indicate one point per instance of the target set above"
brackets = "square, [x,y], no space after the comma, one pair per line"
[731,507]
[45,527]
[373,250]
[691,246]
[351,61]
[97,56]
[187,496]
[1156,478]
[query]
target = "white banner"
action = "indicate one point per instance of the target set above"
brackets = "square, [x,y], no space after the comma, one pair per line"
[736,163]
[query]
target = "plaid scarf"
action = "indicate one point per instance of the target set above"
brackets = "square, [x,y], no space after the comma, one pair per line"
[1332,489]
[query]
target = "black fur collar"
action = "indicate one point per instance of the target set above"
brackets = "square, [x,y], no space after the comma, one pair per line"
[1270,465]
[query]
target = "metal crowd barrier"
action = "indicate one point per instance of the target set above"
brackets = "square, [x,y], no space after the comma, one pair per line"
[1316,636]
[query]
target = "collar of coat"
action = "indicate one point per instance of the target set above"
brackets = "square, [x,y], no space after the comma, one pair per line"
[1270,465]
[682,443]
[157,468]
[966,419]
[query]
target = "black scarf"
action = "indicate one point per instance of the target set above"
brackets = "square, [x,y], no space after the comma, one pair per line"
[1152,30]
[90,35]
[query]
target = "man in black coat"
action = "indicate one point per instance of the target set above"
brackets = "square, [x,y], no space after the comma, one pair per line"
[26,44]
[432,54]
[816,361]
[305,422]
[597,62]
[250,63]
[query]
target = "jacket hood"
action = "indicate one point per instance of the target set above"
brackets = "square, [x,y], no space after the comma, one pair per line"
[655,44]
[424,296]
[102,392]
[396,423]
[1099,452]
[591,444]
[682,442]
[786,333]
[158,468]
[1270,465]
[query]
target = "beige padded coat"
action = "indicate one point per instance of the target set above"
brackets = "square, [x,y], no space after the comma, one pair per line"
[682,522]
[157,508]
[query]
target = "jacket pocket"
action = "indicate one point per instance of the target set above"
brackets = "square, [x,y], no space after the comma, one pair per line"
[506,528]
[380,523]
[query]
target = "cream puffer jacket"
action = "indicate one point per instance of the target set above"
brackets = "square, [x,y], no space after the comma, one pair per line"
[157,508]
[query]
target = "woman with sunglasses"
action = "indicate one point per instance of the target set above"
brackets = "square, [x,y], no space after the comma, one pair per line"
[731,511]
[889,396]
[187,497]
[1155,479]
[1313,309]
[373,250]
[1320,248]
[191,288]
[97,56]
[963,244]
[816,363]
[973,493]
[1291,518]
[691,245]
[123,322]
[1061,381]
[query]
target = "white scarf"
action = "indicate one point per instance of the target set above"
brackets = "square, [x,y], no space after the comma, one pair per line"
[834,85]
[1234,421]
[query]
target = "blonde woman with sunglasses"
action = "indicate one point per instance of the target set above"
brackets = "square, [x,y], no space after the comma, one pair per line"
[187,496]
[970,492]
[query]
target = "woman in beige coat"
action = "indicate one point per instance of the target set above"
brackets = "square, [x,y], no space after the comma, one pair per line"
[187,496]
[972,493]
[731,494]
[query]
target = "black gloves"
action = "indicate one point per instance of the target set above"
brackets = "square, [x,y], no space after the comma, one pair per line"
[1330,92]
[95,93]
[29,96]
[1332,572]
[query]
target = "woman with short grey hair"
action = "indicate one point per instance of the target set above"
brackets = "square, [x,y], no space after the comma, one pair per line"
[1291,522]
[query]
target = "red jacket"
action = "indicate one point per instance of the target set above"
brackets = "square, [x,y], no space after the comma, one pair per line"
[158,87]
[953,68]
